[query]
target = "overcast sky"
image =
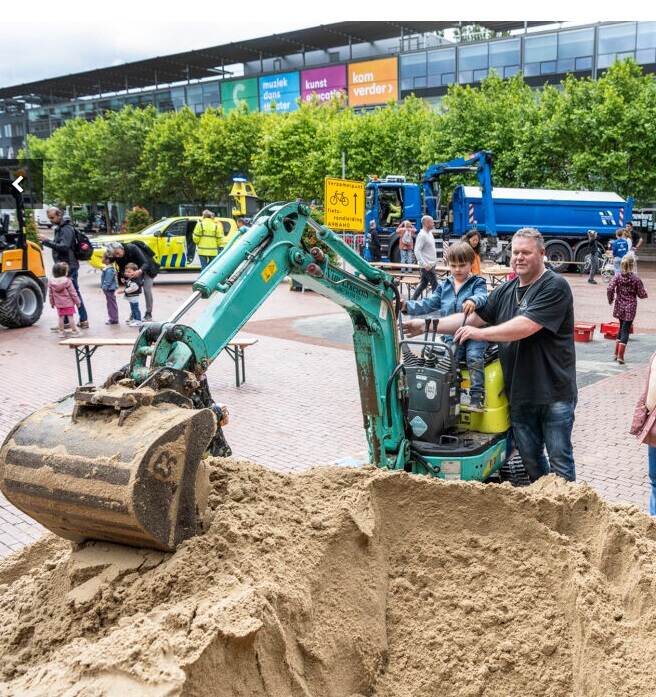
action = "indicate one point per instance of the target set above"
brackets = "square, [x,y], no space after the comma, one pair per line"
[51,38]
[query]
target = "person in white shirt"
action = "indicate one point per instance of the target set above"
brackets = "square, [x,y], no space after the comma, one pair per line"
[426,256]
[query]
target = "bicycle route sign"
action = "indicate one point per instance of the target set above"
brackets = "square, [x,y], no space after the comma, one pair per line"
[343,203]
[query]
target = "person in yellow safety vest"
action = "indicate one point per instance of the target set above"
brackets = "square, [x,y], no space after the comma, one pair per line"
[208,236]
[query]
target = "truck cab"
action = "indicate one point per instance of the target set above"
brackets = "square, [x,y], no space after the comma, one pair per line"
[388,202]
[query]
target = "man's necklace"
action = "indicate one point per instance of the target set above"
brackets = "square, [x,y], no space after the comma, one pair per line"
[518,300]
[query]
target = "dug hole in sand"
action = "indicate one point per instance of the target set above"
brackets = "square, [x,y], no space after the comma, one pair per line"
[346,583]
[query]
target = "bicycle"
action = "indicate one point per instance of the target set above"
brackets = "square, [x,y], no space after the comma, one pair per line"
[339,196]
[606,270]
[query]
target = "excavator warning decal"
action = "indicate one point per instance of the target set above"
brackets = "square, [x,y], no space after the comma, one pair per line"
[269,270]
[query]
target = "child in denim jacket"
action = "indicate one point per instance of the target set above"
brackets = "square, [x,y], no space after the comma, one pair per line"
[465,292]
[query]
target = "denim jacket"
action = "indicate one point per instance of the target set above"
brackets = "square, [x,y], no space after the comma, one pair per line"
[108,279]
[444,301]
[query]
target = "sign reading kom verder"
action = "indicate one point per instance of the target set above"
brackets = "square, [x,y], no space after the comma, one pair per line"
[325,83]
[280,92]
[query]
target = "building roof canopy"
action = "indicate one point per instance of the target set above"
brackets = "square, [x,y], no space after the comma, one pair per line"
[207,62]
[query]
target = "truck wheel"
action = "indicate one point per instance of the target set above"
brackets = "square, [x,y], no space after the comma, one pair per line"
[581,252]
[558,254]
[23,304]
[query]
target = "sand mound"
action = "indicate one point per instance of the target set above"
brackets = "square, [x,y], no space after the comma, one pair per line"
[347,583]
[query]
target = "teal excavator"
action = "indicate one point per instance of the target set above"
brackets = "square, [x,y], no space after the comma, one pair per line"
[124,462]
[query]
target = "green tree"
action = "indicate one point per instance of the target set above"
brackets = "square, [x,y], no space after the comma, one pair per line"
[222,146]
[165,169]
[122,136]
[295,153]
[492,117]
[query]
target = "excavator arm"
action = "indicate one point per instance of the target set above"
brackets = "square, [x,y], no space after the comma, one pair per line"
[123,462]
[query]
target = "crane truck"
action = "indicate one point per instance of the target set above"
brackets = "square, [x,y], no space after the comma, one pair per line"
[563,217]
[124,462]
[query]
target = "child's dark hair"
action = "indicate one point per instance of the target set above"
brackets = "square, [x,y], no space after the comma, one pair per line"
[468,238]
[461,253]
[131,266]
[60,269]
[107,259]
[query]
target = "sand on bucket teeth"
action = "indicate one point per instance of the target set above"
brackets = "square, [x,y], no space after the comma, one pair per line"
[98,471]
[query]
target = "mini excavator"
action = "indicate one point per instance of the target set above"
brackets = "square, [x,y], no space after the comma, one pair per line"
[124,462]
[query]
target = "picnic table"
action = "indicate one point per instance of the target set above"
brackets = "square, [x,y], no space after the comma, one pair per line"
[86,346]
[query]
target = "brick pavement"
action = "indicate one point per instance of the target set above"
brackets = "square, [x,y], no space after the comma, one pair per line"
[302,391]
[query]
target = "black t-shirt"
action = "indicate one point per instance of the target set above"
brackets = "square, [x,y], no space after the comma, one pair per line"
[541,368]
[635,237]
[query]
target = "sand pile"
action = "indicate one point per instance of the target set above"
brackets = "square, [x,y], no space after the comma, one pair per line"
[347,583]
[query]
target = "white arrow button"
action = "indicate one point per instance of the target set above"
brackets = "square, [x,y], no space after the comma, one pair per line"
[16,184]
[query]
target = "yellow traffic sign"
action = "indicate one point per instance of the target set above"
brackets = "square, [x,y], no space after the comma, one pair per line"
[343,204]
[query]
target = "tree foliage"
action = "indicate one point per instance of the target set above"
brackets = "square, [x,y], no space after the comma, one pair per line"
[582,134]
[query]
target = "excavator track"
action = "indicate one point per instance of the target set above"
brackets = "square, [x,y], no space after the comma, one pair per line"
[122,467]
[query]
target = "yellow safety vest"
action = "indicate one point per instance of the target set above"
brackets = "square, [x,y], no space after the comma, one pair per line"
[208,236]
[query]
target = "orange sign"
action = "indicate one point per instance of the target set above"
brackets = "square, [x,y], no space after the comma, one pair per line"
[373,82]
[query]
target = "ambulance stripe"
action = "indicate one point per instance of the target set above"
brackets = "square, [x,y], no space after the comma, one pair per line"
[183,263]
[162,261]
[174,258]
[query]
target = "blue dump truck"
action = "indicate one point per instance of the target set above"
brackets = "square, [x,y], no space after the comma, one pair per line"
[563,217]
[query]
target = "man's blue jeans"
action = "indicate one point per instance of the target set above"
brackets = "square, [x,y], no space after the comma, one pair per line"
[540,425]
[652,479]
[82,311]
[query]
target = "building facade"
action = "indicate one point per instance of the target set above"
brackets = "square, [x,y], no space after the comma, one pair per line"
[366,73]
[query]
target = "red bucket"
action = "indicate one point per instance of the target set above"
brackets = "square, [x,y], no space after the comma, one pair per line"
[584,331]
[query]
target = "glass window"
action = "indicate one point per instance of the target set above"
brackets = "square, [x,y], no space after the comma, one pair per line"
[164,102]
[540,48]
[606,60]
[510,71]
[646,35]
[466,76]
[178,97]
[504,53]
[566,65]
[575,43]
[210,94]
[413,66]
[584,63]
[479,75]
[647,55]
[473,57]
[625,55]
[617,37]
[531,69]
[448,78]
[547,67]
[439,64]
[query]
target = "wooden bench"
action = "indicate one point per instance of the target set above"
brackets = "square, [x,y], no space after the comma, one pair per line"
[85,347]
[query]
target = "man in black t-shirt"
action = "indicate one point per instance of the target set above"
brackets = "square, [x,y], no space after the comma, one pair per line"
[531,318]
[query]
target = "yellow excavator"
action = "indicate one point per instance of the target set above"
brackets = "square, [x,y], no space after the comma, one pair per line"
[124,462]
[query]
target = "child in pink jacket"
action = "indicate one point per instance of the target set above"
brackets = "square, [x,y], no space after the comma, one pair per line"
[64,297]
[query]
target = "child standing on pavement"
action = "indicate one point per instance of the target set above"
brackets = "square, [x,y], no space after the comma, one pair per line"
[462,291]
[63,297]
[109,284]
[132,292]
[625,288]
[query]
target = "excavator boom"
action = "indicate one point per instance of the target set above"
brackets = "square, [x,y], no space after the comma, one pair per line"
[123,462]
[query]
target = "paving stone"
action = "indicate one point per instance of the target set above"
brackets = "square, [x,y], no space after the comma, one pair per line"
[300,405]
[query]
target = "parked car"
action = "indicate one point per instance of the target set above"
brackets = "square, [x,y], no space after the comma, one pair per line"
[169,238]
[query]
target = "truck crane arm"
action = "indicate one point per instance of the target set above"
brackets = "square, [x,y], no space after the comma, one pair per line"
[481,163]
[123,462]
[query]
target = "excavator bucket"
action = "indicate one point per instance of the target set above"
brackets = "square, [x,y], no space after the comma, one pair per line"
[111,465]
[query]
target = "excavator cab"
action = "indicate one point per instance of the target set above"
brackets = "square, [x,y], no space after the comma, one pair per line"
[23,282]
